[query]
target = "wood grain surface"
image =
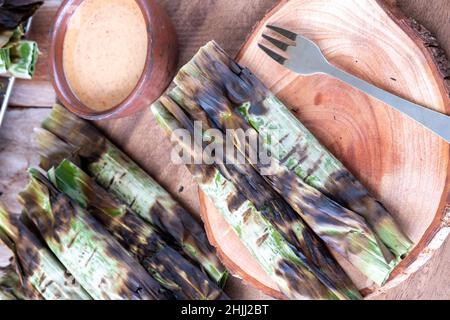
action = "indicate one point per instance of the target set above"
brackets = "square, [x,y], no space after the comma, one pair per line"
[196,21]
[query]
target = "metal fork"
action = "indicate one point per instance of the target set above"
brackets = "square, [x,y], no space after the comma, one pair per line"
[304,57]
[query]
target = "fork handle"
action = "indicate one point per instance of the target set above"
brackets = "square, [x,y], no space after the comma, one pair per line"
[437,122]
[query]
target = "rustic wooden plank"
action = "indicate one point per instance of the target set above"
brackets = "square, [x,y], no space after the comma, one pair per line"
[40,93]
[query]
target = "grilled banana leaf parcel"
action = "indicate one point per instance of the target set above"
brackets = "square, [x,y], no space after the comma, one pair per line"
[344,232]
[40,268]
[98,262]
[291,143]
[11,36]
[15,12]
[296,277]
[10,282]
[265,199]
[5,60]
[119,175]
[166,265]
[19,59]
[22,59]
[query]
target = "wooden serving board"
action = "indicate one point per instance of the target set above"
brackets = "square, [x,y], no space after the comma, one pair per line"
[403,164]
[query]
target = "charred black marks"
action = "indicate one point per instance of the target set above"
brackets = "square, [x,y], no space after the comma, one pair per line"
[74,238]
[314,167]
[235,68]
[341,175]
[132,202]
[301,152]
[155,212]
[289,271]
[262,239]
[246,216]
[208,173]
[237,91]
[235,201]
[91,256]
[110,182]
[345,189]
[239,85]
[284,137]
[47,285]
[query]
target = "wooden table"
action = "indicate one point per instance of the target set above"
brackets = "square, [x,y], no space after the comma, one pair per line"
[196,22]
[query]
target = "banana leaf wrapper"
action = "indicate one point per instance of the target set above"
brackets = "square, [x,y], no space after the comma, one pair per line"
[40,268]
[266,200]
[5,61]
[15,12]
[166,265]
[278,258]
[293,145]
[120,176]
[19,59]
[96,260]
[6,296]
[5,36]
[8,37]
[344,231]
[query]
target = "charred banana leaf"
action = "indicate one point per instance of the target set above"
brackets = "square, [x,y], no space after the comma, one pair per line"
[118,174]
[6,296]
[99,263]
[40,268]
[292,144]
[5,61]
[22,59]
[15,12]
[266,200]
[344,231]
[19,59]
[166,265]
[8,37]
[10,280]
[278,258]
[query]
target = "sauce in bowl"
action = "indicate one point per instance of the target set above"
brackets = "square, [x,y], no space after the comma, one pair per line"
[104,51]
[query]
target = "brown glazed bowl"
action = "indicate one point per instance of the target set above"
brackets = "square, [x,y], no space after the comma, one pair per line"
[158,72]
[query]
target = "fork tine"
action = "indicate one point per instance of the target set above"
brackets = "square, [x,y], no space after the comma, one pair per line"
[288,34]
[275,56]
[277,43]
